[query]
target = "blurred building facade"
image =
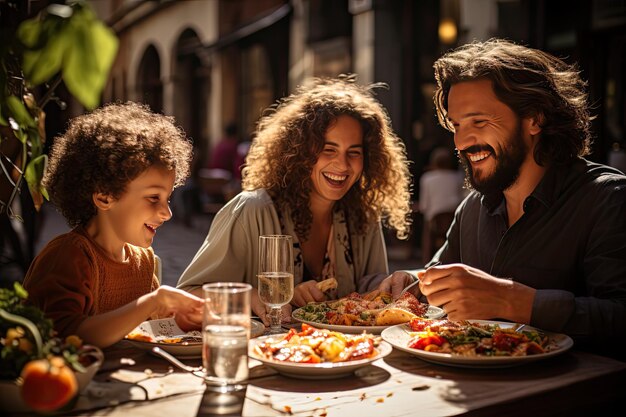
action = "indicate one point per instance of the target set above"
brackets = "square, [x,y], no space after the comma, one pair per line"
[210,62]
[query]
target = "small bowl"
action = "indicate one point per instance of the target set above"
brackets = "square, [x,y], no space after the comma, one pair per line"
[11,397]
[96,358]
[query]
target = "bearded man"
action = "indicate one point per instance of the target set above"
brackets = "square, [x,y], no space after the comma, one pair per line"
[541,239]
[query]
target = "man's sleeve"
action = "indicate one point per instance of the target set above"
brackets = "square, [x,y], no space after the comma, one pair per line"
[603,311]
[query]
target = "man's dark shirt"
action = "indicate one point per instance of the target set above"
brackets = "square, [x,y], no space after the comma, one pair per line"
[570,245]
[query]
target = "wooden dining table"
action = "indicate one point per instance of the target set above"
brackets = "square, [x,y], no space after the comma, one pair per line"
[137,383]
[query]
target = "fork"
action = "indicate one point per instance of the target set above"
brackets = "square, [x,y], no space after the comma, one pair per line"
[195,371]
[417,281]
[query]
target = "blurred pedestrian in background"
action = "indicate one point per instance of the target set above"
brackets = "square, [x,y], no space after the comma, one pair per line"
[441,191]
[224,155]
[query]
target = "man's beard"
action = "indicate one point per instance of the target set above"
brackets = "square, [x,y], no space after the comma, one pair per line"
[508,164]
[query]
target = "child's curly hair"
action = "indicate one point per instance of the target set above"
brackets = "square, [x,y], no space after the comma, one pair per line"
[104,150]
[290,138]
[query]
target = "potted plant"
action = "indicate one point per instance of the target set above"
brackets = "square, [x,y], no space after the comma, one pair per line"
[39,371]
[63,43]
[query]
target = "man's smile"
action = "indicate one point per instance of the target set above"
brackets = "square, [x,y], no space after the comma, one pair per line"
[477,153]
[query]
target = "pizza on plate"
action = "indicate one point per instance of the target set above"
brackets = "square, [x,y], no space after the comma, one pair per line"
[373,309]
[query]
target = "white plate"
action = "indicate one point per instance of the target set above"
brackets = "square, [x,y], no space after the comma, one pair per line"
[167,328]
[432,313]
[325,370]
[399,337]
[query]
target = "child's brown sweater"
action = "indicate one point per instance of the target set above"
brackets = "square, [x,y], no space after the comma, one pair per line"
[73,278]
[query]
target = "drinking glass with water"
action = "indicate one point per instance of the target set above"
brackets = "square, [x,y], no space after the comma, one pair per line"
[225,334]
[275,275]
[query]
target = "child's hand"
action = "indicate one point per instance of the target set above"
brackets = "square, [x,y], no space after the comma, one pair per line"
[186,307]
[188,323]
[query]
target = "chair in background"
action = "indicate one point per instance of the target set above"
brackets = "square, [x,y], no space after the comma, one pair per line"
[435,234]
[214,184]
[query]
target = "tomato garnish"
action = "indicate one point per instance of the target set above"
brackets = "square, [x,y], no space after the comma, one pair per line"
[422,342]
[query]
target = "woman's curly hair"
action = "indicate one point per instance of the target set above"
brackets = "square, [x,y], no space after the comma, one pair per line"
[532,83]
[290,137]
[104,150]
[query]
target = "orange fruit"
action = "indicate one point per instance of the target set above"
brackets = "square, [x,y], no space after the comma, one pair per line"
[48,384]
[74,340]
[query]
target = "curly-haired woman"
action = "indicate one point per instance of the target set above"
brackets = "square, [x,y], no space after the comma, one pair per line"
[111,176]
[326,168]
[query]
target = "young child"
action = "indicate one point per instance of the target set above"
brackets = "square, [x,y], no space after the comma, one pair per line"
[111,175]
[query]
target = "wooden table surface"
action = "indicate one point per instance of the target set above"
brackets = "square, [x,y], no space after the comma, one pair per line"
[137,383]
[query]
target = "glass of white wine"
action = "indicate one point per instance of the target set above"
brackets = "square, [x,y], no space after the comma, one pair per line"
[275,275]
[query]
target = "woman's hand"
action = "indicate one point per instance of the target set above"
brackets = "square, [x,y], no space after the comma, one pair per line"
[259,309]
[396,282]
[307,292]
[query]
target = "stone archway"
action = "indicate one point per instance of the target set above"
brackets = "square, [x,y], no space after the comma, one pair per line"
[150,87]
[191,82]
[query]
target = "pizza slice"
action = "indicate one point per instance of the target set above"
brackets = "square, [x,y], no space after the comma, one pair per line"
[393,315]
[402,310]
[327,285]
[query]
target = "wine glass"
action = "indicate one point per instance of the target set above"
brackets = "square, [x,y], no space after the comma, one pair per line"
[275,275]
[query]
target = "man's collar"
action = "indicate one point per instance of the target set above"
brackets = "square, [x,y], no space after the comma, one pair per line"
[547,191]
[491,201]
[557,179]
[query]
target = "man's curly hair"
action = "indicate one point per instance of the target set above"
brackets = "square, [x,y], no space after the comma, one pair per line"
[290,137]
[105,150]
[532,83]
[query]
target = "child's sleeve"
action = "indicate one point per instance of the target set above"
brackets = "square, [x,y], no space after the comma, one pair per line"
[61,282]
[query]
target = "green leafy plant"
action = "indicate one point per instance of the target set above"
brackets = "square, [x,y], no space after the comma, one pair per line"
[26,335]
[63,43]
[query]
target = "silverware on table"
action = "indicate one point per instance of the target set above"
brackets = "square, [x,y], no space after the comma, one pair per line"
[519,327]
[194,370]
[417,281]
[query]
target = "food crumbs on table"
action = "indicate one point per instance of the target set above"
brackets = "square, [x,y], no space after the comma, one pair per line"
[380,400]
[318,399]
[363,396]
[288,410]
[148,372]
[390,395]
[421,388]
[324,414]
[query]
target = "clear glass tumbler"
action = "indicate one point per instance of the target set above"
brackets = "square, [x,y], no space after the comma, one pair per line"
[225,334]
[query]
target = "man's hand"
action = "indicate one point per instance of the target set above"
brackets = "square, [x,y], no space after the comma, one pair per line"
[258,308]
[396,282]
[307,292]
[466,293]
